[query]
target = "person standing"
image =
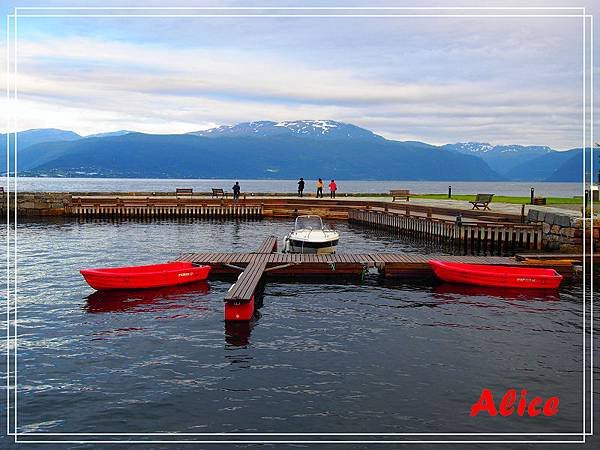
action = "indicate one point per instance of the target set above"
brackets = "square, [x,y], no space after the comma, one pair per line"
[332,188]
[300,187]
[320,188]
[236,190]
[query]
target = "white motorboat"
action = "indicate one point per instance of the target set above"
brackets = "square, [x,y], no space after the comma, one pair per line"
[310,236]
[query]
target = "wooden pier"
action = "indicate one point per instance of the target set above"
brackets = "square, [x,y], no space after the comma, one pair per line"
[488,233]
[472,236]
[161,208]
[252,268]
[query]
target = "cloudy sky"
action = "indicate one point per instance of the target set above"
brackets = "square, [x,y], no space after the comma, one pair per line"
[433,79]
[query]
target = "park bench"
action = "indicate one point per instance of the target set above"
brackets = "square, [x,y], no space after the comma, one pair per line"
[218,192]
[482,200]
[400,193]
[184,191]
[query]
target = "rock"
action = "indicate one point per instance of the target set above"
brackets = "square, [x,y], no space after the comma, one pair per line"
[562,220]
[570,248]
[567,231]
[555,229]
[532,215]
[553,246]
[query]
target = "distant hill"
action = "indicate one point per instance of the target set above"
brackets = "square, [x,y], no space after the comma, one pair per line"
[31,137]
[285,155]
[504,159]
[542,167]
[109,133]
[289,149]
[571,169]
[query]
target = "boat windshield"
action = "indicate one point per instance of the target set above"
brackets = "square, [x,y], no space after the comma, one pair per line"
[309,223]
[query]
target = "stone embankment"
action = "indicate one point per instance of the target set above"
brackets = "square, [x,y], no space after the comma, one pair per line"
[565,233]
[37,203]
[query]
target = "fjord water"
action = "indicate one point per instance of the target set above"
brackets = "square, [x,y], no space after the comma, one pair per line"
[46,184]
[352,356]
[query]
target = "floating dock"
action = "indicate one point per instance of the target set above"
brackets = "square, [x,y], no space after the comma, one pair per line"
[252,268]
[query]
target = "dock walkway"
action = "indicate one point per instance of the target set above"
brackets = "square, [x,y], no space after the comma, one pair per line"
[253,267]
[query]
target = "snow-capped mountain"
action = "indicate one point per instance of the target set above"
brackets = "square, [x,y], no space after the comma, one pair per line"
[482,147]
[504,159]
[470,147]
[315,129]
[267,149]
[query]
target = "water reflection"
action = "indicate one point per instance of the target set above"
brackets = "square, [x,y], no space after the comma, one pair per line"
[238,334]
[147,300]
[450,289]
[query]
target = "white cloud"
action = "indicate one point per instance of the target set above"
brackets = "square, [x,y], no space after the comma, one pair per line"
[93,85]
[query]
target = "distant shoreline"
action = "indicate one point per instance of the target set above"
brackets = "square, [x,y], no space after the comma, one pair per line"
[271,186]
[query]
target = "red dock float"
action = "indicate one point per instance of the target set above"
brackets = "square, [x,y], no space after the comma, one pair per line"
[239,301]
[144,277]
[498,276]
[239,310]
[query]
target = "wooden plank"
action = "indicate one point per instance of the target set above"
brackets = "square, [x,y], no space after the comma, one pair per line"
[269,245]
[246,284]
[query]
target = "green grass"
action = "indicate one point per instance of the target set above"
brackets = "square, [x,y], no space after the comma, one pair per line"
[465,197]
[503,199]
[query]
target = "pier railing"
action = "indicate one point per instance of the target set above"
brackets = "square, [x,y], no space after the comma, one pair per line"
[150,208]
[495,238]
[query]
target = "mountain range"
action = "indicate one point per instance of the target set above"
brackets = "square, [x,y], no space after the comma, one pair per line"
[284,150]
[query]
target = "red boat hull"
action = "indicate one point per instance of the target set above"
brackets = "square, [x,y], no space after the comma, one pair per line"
[144,277]
[498,276]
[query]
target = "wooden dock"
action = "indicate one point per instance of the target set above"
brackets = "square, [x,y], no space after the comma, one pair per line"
[291,264]
[253,268]
[472,236]
[480,233]
[161,208]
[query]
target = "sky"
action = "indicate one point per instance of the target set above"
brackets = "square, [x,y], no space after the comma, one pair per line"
[501,80]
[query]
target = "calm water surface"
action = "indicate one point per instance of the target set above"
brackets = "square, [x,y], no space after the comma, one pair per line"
[370,356]
[30,184]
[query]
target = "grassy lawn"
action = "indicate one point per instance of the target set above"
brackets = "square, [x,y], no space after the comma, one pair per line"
[504,199]
[497,198]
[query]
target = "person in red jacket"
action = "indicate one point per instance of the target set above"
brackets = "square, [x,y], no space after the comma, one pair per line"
[332,188]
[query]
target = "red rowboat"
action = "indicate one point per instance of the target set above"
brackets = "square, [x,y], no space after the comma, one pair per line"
[142,277]
[501,276]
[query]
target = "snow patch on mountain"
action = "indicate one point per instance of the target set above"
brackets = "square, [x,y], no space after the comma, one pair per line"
[316,129]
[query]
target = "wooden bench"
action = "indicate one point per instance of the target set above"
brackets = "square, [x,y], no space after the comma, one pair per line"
[400,193]
[482,200]
[184,191]
[539,200]
[218,192]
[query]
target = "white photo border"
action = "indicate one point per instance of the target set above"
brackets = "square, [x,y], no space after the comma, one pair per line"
[11,339]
